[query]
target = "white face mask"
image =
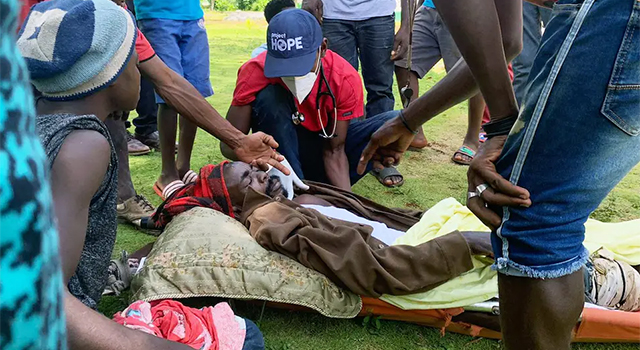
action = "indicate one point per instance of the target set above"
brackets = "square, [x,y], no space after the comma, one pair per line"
[301,87]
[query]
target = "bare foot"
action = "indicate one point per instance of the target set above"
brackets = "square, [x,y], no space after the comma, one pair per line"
[392,180]
[166,179]
[420,141]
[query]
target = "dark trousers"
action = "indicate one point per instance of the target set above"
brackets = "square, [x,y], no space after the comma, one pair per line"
[533,17]
[371,41]
[130,6]
[271,114]
[147,120]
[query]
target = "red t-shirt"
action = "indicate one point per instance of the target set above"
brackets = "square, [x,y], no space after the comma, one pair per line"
[143,48]
[343,79]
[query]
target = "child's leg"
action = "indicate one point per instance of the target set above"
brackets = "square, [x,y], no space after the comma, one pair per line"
[185,146]
[167,125]
[476,109]
[194,48]
[162,35]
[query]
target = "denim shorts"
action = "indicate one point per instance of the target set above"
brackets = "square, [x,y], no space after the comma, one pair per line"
[577,135]
[183,46]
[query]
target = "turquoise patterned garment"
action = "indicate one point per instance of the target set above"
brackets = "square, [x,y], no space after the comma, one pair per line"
[31,299]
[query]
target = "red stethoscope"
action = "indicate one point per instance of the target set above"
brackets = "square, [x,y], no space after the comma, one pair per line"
[297,118]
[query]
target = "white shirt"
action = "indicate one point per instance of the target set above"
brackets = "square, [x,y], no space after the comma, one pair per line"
[380,231]
[357,10]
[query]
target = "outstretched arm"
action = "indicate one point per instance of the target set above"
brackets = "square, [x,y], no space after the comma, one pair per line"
[258,148]
[240,118]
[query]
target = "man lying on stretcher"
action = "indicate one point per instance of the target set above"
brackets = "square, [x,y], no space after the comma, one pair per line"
[358,256]
[346,252]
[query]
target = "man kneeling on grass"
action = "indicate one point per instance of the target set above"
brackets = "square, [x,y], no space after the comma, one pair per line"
[309,99]
[81,57]
[352,255]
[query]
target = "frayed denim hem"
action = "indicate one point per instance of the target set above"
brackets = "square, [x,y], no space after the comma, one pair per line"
[510,268]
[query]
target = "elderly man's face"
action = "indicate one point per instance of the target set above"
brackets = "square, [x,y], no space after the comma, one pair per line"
[239,177]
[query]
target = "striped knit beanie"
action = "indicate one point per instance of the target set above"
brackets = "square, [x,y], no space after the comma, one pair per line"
[75,48]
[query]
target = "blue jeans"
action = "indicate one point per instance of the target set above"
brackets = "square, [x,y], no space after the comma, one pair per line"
[533,17]
[577,135]
[370,40]
[183,46]
[271,114]
[253,339]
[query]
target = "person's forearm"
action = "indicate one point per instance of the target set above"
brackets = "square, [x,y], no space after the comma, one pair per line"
[186,100]
[87,329]
[488,35]
[476,38]
[457,86]
[405,13]
[228,152]
[336,166]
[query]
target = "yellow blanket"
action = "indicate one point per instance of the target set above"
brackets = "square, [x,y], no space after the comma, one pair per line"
[480,284]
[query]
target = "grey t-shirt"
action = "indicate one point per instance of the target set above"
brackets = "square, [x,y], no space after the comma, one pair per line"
[358,10]
[91,274]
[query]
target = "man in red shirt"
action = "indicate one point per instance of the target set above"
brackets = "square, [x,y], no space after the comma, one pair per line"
[306,97]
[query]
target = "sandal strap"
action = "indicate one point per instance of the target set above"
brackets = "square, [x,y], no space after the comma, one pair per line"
[172,187]
[389,171]
[189,177]
[466,151]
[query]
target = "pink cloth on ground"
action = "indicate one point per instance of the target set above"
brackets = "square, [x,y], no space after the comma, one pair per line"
[209,328]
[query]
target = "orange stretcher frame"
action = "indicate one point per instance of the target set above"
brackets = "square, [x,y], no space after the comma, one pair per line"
[596,326]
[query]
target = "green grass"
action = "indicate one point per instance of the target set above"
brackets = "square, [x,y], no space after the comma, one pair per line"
[430,177]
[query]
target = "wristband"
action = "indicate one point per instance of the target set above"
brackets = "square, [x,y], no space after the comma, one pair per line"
[500,127]
[406,125]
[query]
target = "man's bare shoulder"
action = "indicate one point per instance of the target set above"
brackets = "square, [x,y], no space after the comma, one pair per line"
[83,160]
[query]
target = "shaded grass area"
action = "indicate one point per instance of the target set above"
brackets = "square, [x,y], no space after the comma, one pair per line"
[430,177]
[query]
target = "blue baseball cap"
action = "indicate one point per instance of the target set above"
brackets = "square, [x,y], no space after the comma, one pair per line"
[293,39]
